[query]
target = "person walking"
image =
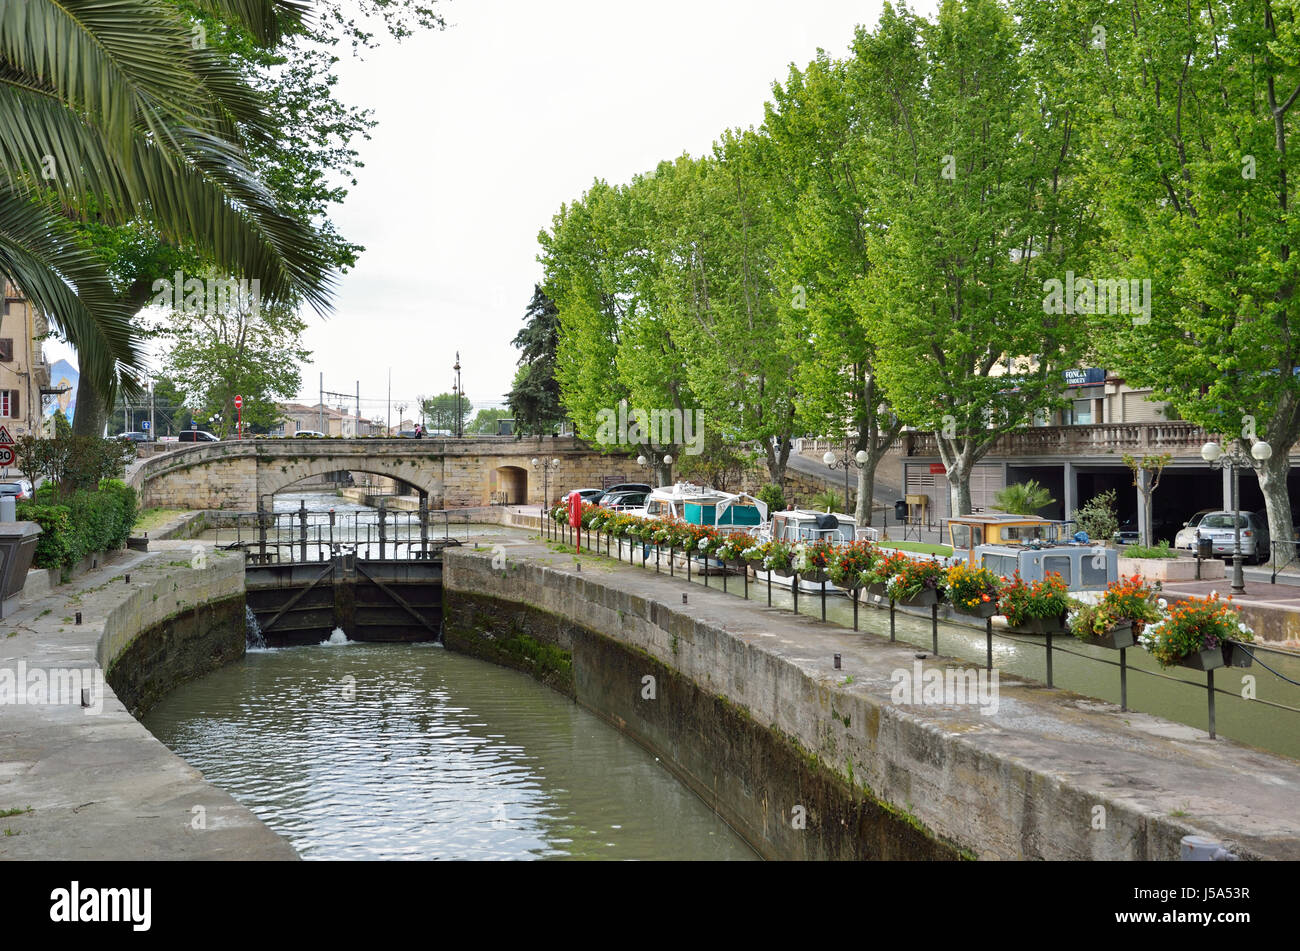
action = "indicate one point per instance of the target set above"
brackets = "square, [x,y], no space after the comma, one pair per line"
[419,431]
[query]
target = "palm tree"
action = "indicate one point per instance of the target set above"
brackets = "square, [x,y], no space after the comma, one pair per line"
[115,111]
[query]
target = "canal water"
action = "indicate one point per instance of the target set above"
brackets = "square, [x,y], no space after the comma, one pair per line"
[368,751]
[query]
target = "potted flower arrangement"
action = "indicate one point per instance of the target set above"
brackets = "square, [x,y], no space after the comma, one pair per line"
[850,562]
[917,584]
[731,548]
[876,576]
[1039,607]
[778,559]
[973,591]
[1199,633]
[811,560]
[756,554]
[1128,605]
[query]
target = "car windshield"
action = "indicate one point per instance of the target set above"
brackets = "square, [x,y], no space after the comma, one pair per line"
[10,487]
[1224,520]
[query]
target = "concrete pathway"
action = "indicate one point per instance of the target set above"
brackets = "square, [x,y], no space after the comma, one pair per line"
[1080,750]
[98,785]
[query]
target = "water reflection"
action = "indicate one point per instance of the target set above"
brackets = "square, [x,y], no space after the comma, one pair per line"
[396,751]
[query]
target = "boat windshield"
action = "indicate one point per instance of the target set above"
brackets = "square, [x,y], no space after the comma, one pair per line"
[1020,534]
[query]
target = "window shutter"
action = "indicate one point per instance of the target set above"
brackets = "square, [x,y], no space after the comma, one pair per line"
[13,401]
[6,350]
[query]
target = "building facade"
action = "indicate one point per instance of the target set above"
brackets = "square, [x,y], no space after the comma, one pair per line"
[24,374]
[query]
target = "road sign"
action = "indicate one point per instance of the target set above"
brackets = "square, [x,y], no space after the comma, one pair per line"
[145,425]
[6,456]
[5,438]
[239,402]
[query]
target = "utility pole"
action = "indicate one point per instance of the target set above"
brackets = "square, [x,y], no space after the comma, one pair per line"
[358,426]
[320,427]
[460,395]
[153,433]
[389,416]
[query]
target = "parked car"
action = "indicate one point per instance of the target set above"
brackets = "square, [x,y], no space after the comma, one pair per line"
[1220,528]
[135,437]
[19,489]
[623,501]
[591,496]
[1186,536]
[196,435]
[631,487]
[307,434]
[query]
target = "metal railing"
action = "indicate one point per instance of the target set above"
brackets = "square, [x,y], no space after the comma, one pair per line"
[614,548]
[305,536]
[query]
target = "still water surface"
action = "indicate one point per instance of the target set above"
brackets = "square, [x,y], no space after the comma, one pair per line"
[368,751]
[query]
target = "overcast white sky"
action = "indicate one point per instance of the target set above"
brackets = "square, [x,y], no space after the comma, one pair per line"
[486,128]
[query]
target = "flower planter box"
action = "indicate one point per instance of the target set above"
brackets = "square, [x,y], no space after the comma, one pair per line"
[877,590]
[1040,625]
[1171,569]
[1235,656]
[925,599]
[782,572]
[983,610]
[1211,659]
[1121,635]
[814,575]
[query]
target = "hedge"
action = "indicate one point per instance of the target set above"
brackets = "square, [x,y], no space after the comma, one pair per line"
[85,523]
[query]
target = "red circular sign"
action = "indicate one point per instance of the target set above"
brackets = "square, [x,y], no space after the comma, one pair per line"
[239,402]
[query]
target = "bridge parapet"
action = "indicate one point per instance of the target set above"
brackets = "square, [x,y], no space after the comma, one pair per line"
[237,474]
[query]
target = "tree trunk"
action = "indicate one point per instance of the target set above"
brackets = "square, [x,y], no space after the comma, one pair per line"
[91,414]
[777,456]
[1277,503]
[959,489]
[866,492]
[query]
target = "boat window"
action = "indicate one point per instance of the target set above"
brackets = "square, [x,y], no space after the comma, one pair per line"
[960,536]
[1059,564]
[1092,569]
[652,507]
[977,535]
[1001,565]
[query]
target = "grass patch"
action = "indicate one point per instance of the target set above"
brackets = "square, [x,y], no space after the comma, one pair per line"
[152,519]
[1150,551]
[924,548]
[6,813]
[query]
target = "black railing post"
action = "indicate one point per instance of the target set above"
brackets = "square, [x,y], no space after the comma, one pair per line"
[988,643]
[794,586]
[302,529]
[261,532]
[383,528]
[823,599]
[934,626]
[853,593]
[1209,690]
[1049,657]
[891,619]
[1123,680]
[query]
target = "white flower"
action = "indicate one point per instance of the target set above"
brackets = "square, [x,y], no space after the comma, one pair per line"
[1162,604]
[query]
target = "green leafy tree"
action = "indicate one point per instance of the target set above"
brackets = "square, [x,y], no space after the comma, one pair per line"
[535,397]
[1188,133]
[485,421]
[440,412]
[817,120]
[971,187]
[237,350]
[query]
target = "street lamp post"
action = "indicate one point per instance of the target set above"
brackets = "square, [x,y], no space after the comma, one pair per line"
[654,462]
[459,390]
[1236,458]
[857,461]
[546,466]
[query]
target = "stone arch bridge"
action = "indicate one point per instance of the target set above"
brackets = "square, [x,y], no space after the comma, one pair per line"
[447,473]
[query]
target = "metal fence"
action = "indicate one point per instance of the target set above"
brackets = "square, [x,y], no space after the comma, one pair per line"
[303,536]
[704,567]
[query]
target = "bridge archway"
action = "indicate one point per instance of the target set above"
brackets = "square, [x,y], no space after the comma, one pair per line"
[509,485]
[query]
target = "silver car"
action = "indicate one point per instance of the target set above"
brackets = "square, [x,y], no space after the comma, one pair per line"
[1186,537]
[1220,528]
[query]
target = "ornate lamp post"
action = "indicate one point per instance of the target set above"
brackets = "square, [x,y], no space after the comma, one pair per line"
[460,393]
[1236,458]
[655,462]
[546,467]
[857,461]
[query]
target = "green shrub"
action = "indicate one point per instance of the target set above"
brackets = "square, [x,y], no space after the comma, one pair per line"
[828,501]
[86,523]
[772,496]
[1150,551]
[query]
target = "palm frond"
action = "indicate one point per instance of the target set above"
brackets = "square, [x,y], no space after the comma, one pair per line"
[40,253]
